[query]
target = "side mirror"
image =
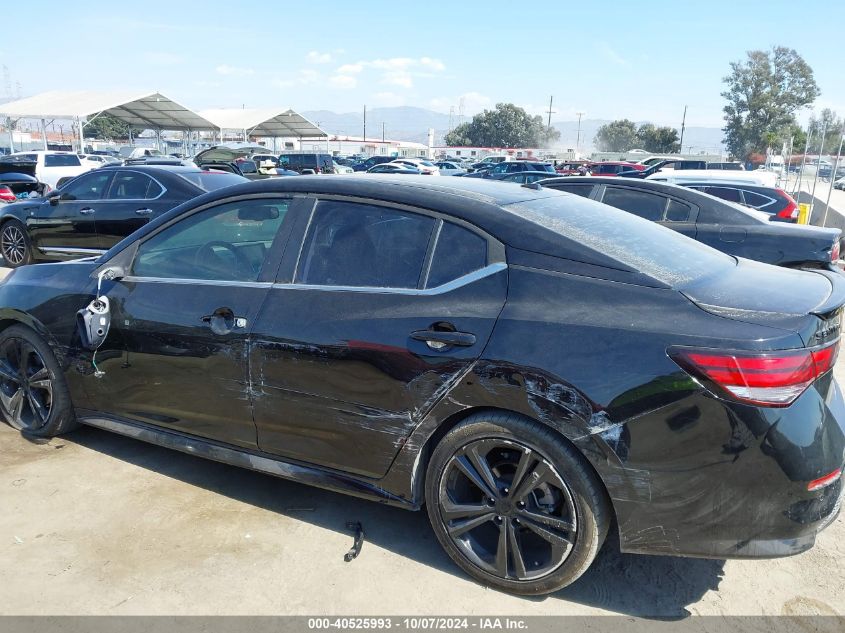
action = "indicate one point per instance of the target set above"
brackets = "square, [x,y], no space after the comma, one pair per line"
[53,197]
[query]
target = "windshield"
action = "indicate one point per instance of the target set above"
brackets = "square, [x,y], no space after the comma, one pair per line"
[656,251]
[210,180]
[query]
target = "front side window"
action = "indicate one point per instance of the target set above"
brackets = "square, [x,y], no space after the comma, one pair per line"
[458,252]
[87,187]
[229,242]
[646,205]
[360,245]
[582,190]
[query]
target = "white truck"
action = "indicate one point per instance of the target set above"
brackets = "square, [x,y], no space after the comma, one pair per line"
[51,166]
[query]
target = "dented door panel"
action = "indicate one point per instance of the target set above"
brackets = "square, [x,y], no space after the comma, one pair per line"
[338,380]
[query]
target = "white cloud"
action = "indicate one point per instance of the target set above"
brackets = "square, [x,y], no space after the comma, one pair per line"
[343,81]
[237,71]
[398,78]
[202,83]
[396,71]
[350,69]
[316,57]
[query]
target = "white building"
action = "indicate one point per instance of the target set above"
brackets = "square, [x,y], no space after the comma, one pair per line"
[513,152]
[347,145]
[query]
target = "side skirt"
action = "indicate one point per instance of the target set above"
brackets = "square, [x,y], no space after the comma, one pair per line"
[260,462]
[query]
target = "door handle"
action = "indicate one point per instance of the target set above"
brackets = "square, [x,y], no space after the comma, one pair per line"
[223,321]
[438,340]
[143,211]
[86,211]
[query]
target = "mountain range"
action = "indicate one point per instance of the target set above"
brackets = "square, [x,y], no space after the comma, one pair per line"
[408,123]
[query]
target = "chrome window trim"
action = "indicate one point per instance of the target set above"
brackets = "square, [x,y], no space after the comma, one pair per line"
[59,249]
[481,273]
[197,282]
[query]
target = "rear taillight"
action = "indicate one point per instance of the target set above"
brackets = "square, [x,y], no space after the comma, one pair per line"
[822,482]
[770,379]
[6,194]
[834,252]
[790,212]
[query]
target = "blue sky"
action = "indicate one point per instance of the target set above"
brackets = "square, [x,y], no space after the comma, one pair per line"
[643,60]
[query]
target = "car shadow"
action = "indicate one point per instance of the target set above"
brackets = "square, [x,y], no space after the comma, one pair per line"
[645,586]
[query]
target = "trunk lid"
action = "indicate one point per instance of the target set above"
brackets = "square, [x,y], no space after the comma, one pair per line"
[807,302]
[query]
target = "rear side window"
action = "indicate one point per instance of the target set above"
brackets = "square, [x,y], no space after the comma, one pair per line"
[458,252]
[360,245]
[646,205]
[725,193]
[678,211]
[654,250]
[61,160]
[756,200]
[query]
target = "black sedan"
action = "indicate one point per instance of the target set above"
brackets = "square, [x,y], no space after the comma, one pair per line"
[731,228]
[92,212]
[533,367]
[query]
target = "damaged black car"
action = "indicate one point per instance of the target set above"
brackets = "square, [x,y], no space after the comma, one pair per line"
[531,367]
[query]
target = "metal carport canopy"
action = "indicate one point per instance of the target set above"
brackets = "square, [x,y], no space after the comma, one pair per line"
[264,122]
[151,110]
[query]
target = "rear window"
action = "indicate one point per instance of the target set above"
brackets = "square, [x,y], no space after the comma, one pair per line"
[210,181]
[656,251]
[61,160]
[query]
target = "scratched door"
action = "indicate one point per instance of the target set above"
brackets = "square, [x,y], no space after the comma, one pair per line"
[386,311]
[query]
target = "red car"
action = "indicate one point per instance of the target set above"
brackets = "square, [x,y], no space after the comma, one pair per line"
[570,168]
[612,168]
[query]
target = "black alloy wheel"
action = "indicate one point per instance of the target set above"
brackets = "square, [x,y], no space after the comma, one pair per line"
[507,509]
[14,244]
[26,386]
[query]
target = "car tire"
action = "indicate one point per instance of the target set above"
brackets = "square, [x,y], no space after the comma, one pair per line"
[34,398]
[15,245]
[534,539]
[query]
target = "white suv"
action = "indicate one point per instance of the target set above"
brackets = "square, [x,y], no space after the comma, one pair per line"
[52,166]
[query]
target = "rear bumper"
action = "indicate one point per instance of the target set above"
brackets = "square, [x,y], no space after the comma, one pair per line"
[727,480]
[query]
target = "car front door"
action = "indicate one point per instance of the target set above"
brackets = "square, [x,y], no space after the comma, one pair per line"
[64,223]
[131,201]
[382,312]
[176,353]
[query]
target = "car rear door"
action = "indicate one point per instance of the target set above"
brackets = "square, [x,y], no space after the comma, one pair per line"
[379,313]
[64,223]
[132,200]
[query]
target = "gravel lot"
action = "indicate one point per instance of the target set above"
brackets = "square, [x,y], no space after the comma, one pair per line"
[94,523]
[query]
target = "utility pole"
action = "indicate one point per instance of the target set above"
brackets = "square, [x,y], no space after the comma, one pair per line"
[683,127]
[550,110]
[365,123]
[382,131]
[578,139]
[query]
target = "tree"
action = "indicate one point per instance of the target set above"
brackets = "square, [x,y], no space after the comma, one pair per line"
[106,127]
[764,92]
[616,136]
[660,140]
[828,124]
[507,125]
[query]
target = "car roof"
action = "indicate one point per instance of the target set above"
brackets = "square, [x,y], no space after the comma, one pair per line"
[179,169]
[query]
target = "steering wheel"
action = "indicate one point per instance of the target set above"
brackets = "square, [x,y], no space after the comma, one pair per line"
[205,254]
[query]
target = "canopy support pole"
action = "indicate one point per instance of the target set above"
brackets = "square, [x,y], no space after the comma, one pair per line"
[81,137]
[44,134]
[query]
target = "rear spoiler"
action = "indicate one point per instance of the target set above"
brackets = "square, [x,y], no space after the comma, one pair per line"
[836,298]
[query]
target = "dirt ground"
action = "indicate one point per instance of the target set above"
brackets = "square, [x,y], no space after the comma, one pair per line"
[94,523]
